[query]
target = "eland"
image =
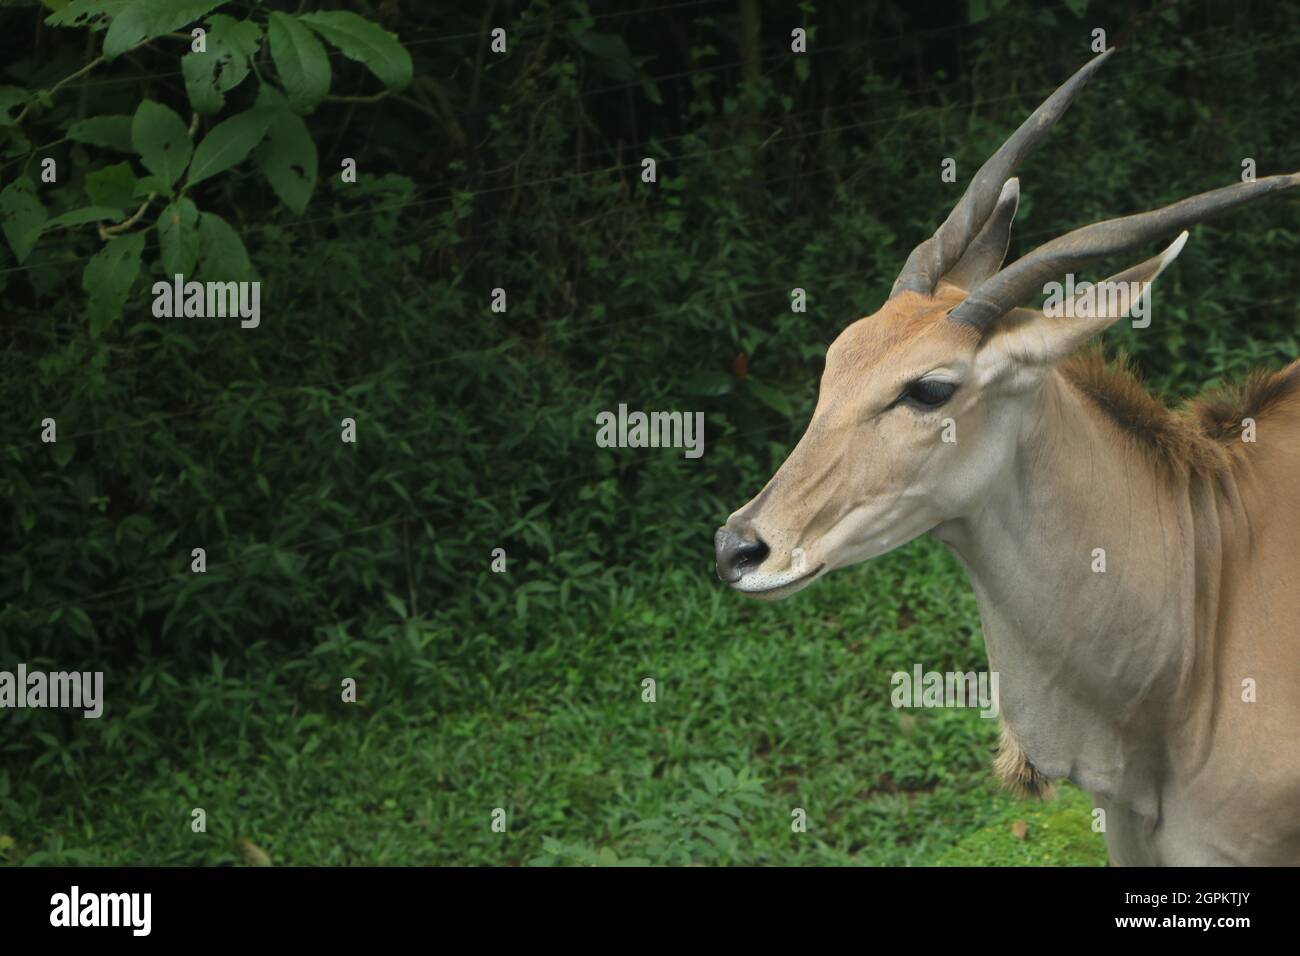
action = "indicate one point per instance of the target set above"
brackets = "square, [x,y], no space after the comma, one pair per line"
[1164,680]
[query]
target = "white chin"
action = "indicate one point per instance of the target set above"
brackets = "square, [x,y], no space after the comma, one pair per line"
[769,586]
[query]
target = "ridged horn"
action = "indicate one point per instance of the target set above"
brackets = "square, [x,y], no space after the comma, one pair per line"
[930,260]
[1052,260]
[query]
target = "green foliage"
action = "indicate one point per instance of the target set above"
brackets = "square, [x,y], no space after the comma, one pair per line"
[131,24]
[1057,832]
[704,823]
[211,74]
[300,58]
[363,41]
[108,279]
[22,216]
[178,156]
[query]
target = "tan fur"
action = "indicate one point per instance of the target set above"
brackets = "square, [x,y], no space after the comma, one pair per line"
[1219,413]
[1134,564]
[1016,773]
[1129,683]
[1187,439]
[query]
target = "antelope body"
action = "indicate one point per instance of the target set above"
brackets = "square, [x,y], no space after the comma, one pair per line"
[1168,686]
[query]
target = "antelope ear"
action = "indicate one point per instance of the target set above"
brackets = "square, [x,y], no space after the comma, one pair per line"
[1038,338]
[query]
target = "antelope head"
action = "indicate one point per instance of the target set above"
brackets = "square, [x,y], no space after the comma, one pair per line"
[949,355]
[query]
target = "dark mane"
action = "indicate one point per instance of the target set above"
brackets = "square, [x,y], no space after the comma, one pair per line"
[1194,437]
[1219,413]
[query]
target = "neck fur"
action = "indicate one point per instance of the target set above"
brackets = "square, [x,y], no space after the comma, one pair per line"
[1090,661]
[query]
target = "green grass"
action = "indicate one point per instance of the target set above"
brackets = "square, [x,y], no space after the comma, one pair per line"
[761,710]
[1054,833]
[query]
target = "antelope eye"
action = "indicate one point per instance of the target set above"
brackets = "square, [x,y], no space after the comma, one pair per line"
[928,392]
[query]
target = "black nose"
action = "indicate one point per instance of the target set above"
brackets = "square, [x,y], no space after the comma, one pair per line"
[736,554]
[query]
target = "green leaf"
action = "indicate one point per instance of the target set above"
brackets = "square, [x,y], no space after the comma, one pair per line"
[367,43]
[143,20]
[110,132]
[301,61]
[231,45]
[159,136]
[612,55]
[150,184]
[87,13]
[11,96]
[178,237]
[651,91]
[109,277]
[397,604]
[79,217]
[288,160]
[229,143]
[13,144]
[709,384]
[21,216]
[223,258]
[112,186]
[770,397]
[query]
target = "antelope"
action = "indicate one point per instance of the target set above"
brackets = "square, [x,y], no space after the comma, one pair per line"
[1167,685]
